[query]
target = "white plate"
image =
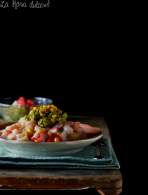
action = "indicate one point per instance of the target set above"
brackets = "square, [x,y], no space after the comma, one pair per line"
[28,148]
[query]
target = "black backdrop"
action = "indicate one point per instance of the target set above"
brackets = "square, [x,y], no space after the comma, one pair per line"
[79,78]
[80,93]
[90,84]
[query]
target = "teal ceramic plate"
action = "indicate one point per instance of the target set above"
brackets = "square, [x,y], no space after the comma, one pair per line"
[29,148]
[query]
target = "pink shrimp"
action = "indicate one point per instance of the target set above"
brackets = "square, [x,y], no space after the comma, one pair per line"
[81,127]
[88,129]
[14,126]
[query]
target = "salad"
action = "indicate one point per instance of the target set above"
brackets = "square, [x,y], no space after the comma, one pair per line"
[20,107]
[47,123]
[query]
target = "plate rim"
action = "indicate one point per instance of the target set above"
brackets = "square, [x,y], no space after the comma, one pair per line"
[51,143]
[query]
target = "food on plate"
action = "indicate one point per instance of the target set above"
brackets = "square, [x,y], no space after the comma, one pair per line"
[47,123]
[13,112]
[46,115]
[20,107]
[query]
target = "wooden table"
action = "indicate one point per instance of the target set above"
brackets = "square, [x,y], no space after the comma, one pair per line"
[107,182]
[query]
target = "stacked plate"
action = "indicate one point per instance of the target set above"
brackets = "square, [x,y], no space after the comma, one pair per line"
[85,158]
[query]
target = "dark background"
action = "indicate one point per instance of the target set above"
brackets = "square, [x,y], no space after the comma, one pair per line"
[78,92]
[84,71]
